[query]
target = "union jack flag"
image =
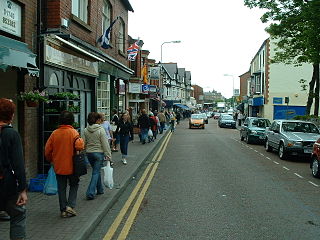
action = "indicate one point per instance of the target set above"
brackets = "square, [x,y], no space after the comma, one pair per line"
[134,49]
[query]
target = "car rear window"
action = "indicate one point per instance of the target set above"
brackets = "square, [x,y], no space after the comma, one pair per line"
[299,127]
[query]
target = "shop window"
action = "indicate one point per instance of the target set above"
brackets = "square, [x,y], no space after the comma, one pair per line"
[53,81]
[80,9]
[103,95]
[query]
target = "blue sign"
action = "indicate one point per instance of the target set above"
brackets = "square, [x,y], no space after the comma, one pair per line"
[284,112]
[277,100]
[258,101]
[145,88]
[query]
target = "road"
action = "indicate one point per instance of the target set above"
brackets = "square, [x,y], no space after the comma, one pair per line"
[210,185]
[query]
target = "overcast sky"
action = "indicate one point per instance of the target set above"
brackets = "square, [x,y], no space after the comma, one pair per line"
[217,37]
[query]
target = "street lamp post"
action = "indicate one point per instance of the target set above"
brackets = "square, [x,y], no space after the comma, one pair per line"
[229,75]
[168,42]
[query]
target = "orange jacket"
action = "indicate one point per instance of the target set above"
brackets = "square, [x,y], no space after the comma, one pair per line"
[59,149]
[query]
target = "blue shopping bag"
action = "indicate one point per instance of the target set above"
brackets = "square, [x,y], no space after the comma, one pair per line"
[51,185]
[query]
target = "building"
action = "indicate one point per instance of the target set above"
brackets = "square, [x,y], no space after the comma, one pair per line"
[198,94]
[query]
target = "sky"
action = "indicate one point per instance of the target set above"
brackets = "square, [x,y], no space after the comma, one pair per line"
[218,37]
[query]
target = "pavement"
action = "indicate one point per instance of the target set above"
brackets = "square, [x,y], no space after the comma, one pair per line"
[43,214]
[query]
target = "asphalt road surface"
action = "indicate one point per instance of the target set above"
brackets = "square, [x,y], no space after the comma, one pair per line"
[210,185]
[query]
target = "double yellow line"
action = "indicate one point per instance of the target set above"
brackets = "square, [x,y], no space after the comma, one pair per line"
[152,167]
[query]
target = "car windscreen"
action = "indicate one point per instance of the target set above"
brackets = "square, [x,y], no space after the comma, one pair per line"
[299,127]
[227,117]
[196,116]
[262,123]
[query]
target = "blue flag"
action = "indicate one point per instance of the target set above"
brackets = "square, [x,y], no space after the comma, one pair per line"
[104,40]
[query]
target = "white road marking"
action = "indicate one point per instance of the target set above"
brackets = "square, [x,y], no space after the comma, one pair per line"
[298,175]
[276,162]
[255,150]
[268,158]
[316,185]
[262,154]
[286,168]
[251,148]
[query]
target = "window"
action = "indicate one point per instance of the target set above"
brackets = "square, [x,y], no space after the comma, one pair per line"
[258,84]
[106,15]
[103,95]
[80,9]
[121,36]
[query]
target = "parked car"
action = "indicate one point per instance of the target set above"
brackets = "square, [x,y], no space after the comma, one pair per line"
[204,115]
[315,159]
[291,137]
[253,130]
[196,121]
[225,120]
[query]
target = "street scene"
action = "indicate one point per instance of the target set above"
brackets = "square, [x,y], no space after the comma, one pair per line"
[140,119]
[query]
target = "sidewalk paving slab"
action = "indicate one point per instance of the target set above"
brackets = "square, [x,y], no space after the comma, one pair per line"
[43,214]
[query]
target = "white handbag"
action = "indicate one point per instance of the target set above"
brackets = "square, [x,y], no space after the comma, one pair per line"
[150,133]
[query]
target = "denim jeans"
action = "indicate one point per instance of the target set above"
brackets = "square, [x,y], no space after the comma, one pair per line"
[124,140]
[144,134]
[62,188]
[95,186]
[162,127]
[17,218]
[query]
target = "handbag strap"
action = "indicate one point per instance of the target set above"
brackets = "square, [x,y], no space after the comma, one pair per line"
[75,152]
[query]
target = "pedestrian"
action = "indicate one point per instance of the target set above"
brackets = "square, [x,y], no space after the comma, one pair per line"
[239,118]
[178,117]
[162,120]
[172,121]
[125,132]
[153,126]
[59,151]
[97,150]
[107,127]
[144,125]
[114,124]
[13,184]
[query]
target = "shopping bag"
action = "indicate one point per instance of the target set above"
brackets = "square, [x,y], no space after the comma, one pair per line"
[79,164]
[108,175]
[51,185]
[150,133]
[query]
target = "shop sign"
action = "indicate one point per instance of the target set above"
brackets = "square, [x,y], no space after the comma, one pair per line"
[145,88]
[56,57]
[152,88]
[277,100]
[154,73]
[10,17]
[134,88]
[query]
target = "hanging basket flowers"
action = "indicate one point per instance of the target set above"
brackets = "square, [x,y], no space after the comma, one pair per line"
[33,98]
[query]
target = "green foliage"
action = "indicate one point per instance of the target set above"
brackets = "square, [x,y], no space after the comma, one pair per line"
[306,117]
[296,27]
[66,95]
[34,96]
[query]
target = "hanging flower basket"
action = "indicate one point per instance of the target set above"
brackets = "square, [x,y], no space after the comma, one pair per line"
[32,103]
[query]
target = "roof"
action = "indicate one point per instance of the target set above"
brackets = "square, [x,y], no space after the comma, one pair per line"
[171,68]
[127,4]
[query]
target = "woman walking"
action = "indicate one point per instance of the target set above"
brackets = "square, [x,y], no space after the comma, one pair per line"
[59,151]
[97,149]
[125,132]
[114,122]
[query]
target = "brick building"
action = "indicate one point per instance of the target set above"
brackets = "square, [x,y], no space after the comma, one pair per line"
[18,52]
[198,93]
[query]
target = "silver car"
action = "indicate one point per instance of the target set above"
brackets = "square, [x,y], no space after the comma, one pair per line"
[291,137]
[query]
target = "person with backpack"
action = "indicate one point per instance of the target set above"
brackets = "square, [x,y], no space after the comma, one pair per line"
[13,183]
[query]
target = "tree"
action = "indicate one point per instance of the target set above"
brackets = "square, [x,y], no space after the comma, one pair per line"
[295,24]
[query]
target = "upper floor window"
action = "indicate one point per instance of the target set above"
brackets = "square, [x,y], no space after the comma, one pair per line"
[106,15]
[80,9]
[121,36]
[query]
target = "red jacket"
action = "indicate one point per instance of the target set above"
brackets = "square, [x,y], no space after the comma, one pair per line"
[153,123]
[59,149]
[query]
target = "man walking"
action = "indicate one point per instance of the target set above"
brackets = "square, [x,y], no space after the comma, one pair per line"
[162,119]
[144,125]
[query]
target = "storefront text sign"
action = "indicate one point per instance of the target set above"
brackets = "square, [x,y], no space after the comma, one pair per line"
[10,17]
[56,57]
[134,88]
[154,73]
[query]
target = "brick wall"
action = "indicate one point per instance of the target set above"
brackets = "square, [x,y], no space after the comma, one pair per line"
[90,32]
[244,83]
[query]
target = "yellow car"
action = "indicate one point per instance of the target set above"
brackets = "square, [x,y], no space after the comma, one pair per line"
[196,121]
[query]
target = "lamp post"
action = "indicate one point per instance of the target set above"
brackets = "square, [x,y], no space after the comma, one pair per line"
[178,41]
[229,75]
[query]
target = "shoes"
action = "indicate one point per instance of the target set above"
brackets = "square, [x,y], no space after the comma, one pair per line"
[114,150]
[90,198]
[71,211]
[100,193]
[124,161]
[4,216]
[64,214]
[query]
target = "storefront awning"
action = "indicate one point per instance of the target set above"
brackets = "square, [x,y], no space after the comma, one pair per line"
[17,54]
[181,106]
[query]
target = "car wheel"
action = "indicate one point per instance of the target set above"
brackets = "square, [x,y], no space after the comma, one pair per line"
[282,152]
[247,139]
[267,146]
[241,137]
[315,168]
